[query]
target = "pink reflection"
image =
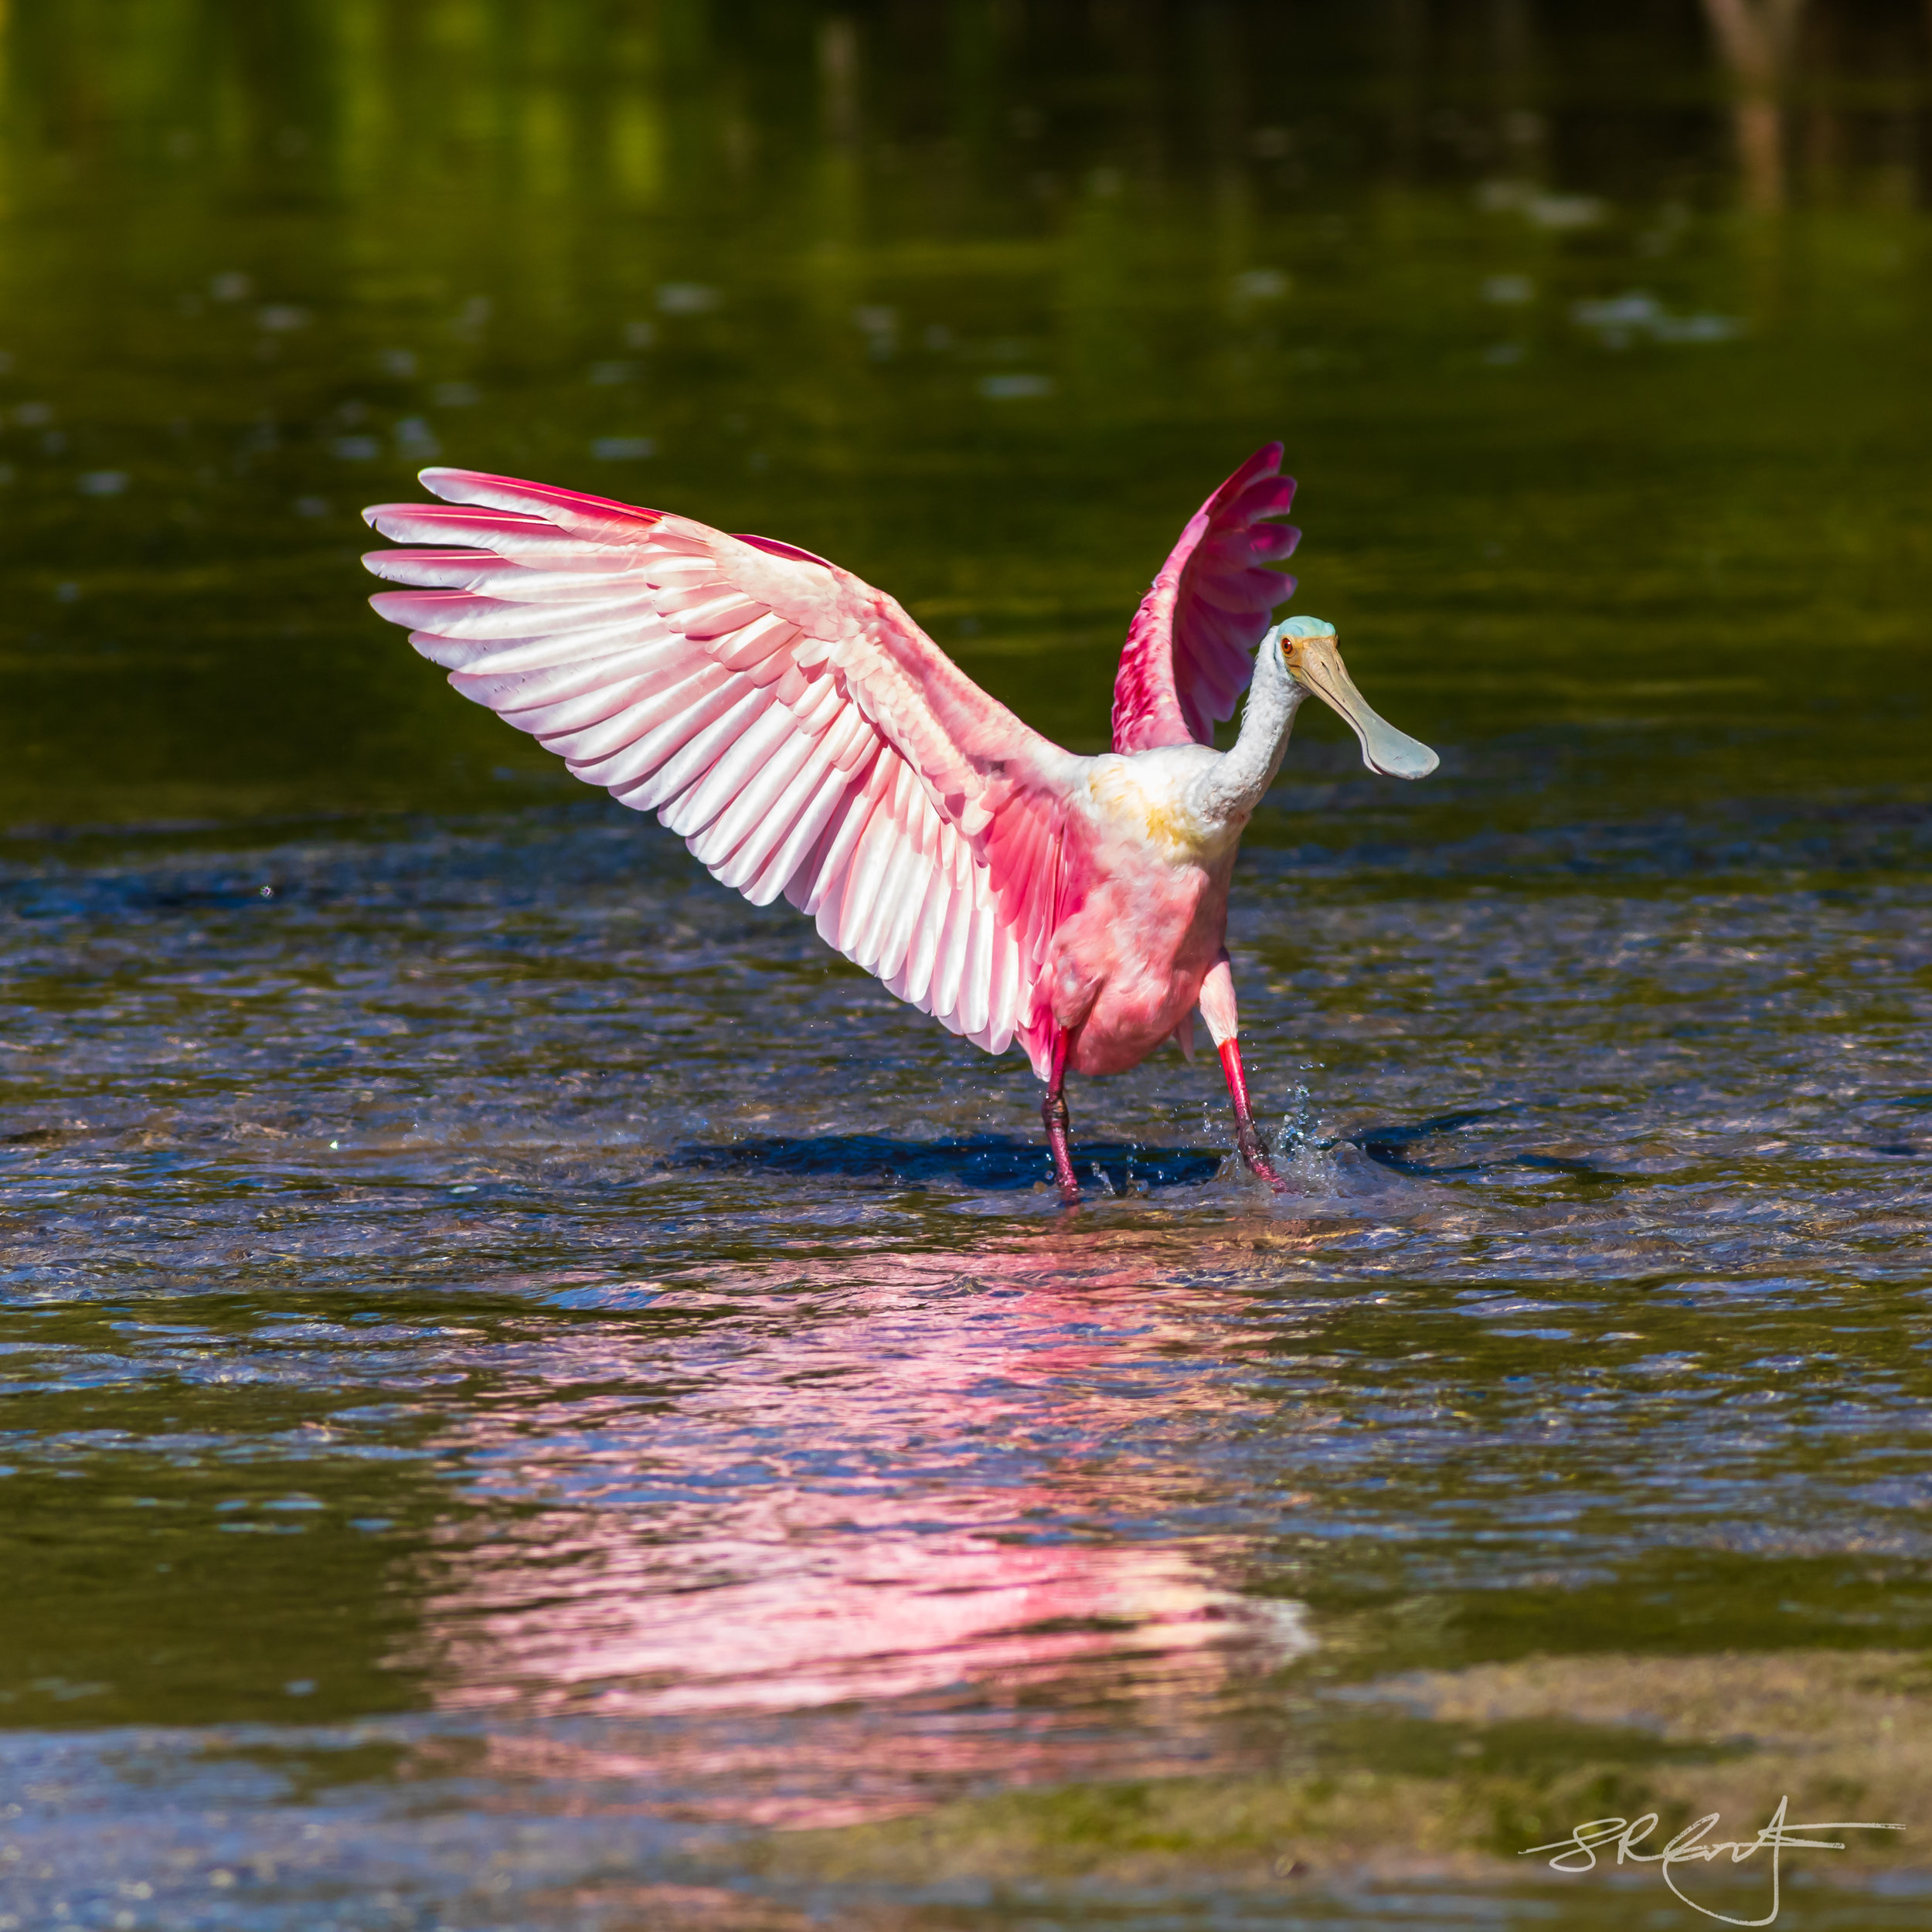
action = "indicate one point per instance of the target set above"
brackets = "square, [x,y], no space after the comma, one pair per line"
[882,1619]
[882,1481]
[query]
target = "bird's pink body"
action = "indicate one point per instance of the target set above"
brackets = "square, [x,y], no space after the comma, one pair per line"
[1143,918]
[806,738]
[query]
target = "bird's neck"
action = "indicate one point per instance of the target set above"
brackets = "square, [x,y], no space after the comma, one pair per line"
[1227,793]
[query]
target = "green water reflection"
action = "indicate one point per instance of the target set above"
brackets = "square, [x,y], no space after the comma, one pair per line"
[979,300]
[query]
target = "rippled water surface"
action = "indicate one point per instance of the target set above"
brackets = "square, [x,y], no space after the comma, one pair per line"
[534,1397]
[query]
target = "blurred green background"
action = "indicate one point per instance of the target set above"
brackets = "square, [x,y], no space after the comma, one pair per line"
[1598,337]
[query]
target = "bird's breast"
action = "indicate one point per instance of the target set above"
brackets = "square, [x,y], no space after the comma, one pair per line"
[1143,800]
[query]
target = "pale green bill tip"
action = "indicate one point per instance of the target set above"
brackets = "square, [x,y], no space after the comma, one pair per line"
[1393,753]
[1318,664]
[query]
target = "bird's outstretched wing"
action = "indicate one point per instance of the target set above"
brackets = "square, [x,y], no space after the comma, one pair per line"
[1190,649]
[792,724]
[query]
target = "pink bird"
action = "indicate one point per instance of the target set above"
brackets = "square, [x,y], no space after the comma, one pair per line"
[803,737]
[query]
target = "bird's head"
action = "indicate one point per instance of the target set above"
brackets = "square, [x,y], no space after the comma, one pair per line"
[1310,656]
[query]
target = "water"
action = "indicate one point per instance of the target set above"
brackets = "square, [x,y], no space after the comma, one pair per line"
[537,1398]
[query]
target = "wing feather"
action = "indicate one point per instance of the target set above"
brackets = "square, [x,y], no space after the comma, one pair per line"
[754,824]
[841,838]
[769,733]
[633,771]
[922,951]
[1190,649]
[533,652]
[533,700]
[679,703]
[693,758]
[975,987]
[461,613]
[912,879]
[557,717]
[865,906]
[779,872]
[791,723]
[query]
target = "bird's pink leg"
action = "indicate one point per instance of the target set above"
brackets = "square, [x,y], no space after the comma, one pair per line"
[1247,1136]
[1218,1009]
[1053,1111]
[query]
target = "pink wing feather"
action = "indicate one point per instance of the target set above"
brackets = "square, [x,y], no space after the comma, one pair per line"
[1190,649]
[792,724]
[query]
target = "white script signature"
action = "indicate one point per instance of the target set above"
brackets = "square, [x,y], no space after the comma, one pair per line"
[1689,1848]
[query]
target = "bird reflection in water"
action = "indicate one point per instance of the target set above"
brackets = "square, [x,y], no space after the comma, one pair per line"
[927,1497]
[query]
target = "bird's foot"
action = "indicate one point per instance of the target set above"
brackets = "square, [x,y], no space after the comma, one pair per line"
[1254,1153]
[1053,1111]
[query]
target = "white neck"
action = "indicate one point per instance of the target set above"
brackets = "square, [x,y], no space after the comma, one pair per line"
[1228,791]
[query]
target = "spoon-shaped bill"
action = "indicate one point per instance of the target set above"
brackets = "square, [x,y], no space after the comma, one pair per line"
[1316,663]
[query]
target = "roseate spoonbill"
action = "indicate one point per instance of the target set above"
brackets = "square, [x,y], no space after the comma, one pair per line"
[804,736]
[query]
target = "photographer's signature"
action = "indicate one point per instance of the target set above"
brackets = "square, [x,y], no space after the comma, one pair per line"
[1689,1848]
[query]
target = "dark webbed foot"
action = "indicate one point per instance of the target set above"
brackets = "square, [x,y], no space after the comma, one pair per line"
[1254,1152]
